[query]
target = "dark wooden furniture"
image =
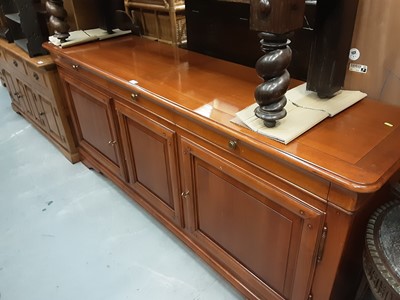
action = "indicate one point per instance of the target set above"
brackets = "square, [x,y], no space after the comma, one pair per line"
[58,19]
[26,21]
[275,20]
[277,221]
[35,91]
[334,19]
[222,29]
[5,6]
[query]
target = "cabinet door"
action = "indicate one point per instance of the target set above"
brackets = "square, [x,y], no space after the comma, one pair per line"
[254,230]
[26,99]
[150,152]
[94,125]
[47,115]
[13,90]
[36,109]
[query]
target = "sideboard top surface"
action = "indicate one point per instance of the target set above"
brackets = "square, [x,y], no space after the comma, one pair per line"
[43,61]
[358,148]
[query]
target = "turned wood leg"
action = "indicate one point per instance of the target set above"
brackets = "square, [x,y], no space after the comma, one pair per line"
[275,20]
[57,20]
[271,67]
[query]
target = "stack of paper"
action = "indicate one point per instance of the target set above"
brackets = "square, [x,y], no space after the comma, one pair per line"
[304,110]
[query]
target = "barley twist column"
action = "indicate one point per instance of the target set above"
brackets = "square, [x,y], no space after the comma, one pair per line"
[58,16]
[270,95]
[275,19]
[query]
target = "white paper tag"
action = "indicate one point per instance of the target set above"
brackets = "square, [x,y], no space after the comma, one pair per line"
[133,82]
[358,68]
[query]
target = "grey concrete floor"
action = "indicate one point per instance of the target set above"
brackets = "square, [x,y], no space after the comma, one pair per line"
[68,233]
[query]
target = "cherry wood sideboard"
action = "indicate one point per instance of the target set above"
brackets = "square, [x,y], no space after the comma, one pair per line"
[36,93]
[277,221]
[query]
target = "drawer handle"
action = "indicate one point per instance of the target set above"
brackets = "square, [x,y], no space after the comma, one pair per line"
[232,145]
[36,76]
[15,63]
[42,114]
[134,96]
[112,143]
[75,67]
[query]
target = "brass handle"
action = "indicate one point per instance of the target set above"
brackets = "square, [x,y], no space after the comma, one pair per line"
[232,144]
[185,194]
[134,96]
[15,63]
[36,76]
[112,143]
[75,67]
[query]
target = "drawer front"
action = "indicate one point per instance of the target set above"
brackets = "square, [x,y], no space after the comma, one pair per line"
[75,69]
[36,76]
[15,62]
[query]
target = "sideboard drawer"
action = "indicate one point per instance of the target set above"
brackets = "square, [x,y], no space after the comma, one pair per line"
[15,62]
[36,76]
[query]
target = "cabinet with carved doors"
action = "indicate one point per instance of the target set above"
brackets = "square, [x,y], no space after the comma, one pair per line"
[35,91]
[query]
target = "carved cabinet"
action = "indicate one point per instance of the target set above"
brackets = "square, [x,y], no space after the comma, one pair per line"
[277,221]
[35,91]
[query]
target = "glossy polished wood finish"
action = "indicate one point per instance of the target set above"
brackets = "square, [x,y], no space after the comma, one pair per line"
[355,149]
[318,191]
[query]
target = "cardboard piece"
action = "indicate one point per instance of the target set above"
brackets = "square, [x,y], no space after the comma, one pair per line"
[304,111]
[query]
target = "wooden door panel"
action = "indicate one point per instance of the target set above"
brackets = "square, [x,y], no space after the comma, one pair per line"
[150,161]
[53,126]
[93,120]
[226,211]
[150,151]
[268,239]
[13,90]
[28,103]
[37,108]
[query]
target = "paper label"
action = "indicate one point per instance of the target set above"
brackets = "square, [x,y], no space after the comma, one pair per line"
[358,68]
